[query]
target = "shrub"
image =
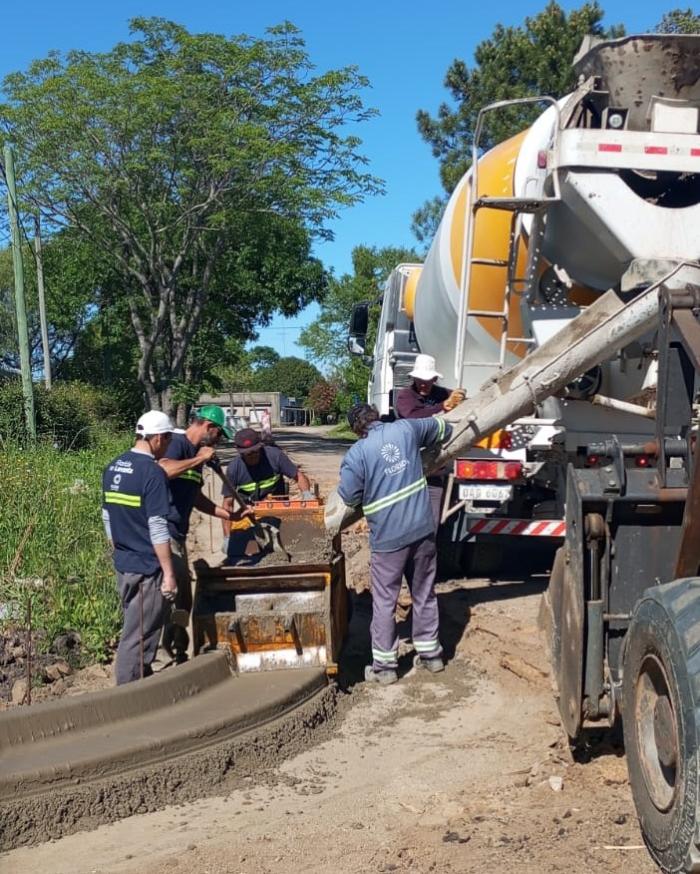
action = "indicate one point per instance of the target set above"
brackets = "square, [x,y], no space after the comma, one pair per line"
[71,415]
[52,545]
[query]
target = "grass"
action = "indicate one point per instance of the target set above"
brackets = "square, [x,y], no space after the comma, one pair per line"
[342,431]
[52,545]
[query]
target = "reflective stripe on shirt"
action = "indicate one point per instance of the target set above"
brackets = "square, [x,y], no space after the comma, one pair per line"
[194,475]
[123,499]
[401,495]
[263,484]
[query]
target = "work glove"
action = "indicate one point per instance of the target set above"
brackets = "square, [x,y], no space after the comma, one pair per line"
[224,546]
[308,496]
[456,397]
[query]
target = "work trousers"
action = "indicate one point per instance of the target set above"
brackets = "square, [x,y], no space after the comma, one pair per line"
[176,639]
[435,492]
[136,590]
[418,561]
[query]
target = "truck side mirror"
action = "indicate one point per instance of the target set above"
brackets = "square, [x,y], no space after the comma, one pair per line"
[359,319]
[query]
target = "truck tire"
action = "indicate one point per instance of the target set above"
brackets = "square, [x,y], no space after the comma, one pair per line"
[660,697]
[451,559]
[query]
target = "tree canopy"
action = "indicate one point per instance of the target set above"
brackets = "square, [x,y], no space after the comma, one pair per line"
[679,21]
[75,279]
[527,60]
[201,167]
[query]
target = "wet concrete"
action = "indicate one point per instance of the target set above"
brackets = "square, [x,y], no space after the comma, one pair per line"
[86,776]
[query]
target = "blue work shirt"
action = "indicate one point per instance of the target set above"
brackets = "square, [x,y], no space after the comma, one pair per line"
[383,472]
[135,489]
[255,482]
[184,488]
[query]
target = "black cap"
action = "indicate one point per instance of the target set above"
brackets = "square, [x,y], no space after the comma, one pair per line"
[247,440]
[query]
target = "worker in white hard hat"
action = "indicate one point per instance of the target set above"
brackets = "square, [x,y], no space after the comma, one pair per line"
[136,509]
[423,398]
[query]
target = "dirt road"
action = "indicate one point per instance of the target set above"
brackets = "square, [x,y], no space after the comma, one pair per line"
[446,773]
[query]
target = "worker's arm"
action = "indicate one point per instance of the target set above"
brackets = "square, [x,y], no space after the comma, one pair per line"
[176,467]
[156,504]
[352,479]
[287,468]
[303,482]
[165,559]
[204,505]
[432,431]
[233,515]
[107,526]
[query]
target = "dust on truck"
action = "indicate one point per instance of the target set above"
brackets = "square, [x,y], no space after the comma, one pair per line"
[562,290]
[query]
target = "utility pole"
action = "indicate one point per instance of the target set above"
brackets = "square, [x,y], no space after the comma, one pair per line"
[42,301]
[20,306]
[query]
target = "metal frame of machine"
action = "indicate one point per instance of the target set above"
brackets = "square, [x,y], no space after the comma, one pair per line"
[278,615]
[622,610]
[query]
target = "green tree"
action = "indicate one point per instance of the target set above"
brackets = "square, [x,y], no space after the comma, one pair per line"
[322,397]
[326,338]
[516,61]
[183,158]
[679,21]
[75,277]
[262,356]
[292,376]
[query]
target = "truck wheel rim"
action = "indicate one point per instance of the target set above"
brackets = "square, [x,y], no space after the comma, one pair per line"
[657,733]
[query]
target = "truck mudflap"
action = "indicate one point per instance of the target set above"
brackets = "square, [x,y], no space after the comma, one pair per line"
[518,527]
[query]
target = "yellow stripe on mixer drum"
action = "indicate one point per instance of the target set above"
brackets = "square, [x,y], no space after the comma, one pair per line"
[491,238]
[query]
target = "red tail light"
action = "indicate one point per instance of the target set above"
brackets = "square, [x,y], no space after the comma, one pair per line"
[513,469]
[642,461]
[466,468]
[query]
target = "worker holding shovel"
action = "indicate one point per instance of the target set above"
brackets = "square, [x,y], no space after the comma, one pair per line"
[182,462]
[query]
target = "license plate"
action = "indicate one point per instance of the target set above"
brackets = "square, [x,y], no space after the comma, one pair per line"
[485,493]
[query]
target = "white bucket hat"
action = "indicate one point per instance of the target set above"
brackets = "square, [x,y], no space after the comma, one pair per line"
[154,422]
[424,368]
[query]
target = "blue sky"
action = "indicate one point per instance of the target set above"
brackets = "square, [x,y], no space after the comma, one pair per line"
[404,48]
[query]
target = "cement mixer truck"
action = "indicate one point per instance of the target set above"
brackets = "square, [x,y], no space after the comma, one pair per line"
[562,291]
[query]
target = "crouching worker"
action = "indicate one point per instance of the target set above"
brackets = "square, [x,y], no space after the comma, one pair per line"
[383,473]
[135,511]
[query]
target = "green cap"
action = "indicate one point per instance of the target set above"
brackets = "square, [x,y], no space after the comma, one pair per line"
[215,414]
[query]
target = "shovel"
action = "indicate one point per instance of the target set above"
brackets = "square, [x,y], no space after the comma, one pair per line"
[267,536]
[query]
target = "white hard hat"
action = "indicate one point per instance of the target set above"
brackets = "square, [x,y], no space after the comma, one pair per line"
[154,422]
[424,368]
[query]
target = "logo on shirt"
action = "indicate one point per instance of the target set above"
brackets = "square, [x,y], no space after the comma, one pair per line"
[116,479]
[390,453]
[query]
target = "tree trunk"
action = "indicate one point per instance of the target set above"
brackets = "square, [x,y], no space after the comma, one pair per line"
[152,395]
[166,401]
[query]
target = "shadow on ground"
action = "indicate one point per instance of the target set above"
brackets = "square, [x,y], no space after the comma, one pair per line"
[357,649]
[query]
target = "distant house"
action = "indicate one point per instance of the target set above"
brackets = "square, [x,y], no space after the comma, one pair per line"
[283,410]
[248,404]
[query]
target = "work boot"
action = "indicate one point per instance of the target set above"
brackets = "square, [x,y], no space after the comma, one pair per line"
[434,665]
[384,678]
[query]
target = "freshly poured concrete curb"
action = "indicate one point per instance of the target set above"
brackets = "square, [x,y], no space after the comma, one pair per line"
[71,764]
